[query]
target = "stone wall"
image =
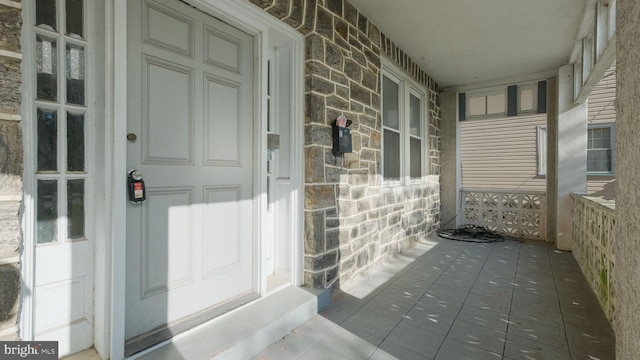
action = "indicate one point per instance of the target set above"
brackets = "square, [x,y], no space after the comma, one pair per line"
[627,228]
[351,220]
[11,160]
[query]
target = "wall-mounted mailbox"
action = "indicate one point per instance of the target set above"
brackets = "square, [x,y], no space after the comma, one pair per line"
[342,135]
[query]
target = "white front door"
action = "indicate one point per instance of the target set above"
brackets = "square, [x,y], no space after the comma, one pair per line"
[190,245]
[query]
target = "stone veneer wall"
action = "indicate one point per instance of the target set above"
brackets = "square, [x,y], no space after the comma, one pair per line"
[351,221]
[11,155]
[627,229]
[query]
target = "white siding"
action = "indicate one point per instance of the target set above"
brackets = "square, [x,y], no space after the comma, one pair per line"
[601,186]
[602,107]
[602,110]
[501,153]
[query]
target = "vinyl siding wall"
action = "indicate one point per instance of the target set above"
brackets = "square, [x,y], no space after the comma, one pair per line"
[501,153]
[602,110]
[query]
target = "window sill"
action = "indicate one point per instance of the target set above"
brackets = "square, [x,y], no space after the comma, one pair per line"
[589,174]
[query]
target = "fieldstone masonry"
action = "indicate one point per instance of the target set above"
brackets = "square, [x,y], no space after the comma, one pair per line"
[11,160]
[351,220]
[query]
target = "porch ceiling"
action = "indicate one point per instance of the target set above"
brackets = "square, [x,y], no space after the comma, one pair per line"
[461,42]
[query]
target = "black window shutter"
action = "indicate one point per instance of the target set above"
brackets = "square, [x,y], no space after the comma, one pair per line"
[512,103]
[542,97]
[462,106]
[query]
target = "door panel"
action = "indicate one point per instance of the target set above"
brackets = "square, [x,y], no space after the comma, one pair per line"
[166,206]
[168,131]
[223,208]
[223,143]
[190,244]
[168,29]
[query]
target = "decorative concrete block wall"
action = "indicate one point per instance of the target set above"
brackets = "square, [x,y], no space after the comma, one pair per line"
[11,160]
[351,220]
[594,220]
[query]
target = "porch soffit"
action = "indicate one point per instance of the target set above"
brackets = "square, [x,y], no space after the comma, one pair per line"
[461,42]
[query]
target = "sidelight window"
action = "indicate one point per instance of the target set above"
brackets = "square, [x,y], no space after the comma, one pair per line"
[61,120]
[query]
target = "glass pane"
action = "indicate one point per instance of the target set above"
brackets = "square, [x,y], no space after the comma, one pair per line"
[526,100]
[414,109]
[495,104]
[416,157]
[477,105]
[74,18]
[268,115]
[599,160]
[75,74]
[268,78]
[46,68]
[391,165]
[75,142]
[75,209]
[47,140]
[46,14]
[47,213]
[390,114]
[606,138]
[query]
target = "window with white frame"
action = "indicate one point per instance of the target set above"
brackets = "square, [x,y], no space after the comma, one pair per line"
[61,120]
[600,150]
[542,150]
[600,156]
[403,127]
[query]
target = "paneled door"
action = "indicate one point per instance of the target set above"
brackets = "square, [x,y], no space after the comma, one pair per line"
[190,245]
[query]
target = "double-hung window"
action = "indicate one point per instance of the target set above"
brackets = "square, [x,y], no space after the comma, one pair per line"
[600,156]
[600,150]
[403,127]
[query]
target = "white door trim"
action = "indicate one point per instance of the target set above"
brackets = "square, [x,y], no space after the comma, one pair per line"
[110,318]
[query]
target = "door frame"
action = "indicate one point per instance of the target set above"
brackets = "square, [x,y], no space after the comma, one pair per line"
[111,251]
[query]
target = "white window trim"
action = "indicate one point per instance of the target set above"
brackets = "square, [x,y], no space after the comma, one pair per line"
[406,86]
[424,124]
[542,150]
[612,127]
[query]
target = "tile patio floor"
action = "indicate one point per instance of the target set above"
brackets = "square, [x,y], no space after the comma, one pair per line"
[444,299]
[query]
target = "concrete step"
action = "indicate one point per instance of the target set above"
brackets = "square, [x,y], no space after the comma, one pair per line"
[245,331]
